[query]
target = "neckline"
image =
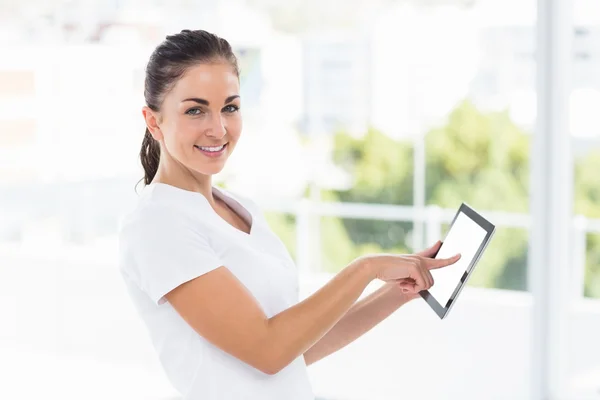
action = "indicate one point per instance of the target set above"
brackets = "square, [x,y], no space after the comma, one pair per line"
[229,199]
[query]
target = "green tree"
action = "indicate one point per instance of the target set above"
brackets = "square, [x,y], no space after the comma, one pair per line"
[474,157]
[284,225]
[587,202]
[483,159]
[382,170]
[479,158]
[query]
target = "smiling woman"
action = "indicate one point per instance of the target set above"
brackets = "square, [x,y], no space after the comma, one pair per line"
[216,288]
[193,108]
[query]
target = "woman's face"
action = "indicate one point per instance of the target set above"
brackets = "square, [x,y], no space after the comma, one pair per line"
[200,121]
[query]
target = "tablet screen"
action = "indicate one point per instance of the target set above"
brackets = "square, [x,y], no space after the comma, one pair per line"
[465,237]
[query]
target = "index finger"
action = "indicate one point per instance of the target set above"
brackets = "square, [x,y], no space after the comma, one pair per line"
[442,262]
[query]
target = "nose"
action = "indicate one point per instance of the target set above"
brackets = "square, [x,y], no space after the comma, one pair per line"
[217,129]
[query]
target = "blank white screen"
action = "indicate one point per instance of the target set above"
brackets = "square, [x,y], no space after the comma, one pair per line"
[464,237]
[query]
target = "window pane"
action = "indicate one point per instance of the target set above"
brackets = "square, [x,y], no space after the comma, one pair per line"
[344,239]
[585,140]
[403,103]
[284,226]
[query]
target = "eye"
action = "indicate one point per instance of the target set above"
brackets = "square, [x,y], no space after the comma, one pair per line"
[231,108]
[194,111]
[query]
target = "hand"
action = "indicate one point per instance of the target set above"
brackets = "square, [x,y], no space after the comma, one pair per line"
[403,286]
[406,284]
[410,272]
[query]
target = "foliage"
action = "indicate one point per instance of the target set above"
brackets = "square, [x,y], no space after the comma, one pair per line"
[474,157]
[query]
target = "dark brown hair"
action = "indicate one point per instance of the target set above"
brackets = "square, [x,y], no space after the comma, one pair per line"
[167,64]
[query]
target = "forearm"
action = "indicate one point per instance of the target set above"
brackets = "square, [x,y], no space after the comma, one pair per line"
[295,330]
[361,318]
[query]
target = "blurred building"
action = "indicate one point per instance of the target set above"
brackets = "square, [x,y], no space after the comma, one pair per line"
[337,82]
[19,124]
[485,53]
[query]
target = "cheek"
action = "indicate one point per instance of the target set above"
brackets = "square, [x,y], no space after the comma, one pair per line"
[179,135]
[185,131]
[234,127]
[188,127]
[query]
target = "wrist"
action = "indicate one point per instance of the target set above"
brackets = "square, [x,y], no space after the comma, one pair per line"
[368,266]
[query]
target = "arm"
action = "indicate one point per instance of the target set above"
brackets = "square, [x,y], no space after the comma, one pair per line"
[364,315]
[361,318]
[221,309]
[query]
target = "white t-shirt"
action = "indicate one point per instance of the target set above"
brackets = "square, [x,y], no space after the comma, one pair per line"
[173,236]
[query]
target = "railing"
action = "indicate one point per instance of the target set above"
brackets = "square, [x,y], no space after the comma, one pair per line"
[432,217]
[79,201]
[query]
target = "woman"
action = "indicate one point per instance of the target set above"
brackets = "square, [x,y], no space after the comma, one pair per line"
[215,287]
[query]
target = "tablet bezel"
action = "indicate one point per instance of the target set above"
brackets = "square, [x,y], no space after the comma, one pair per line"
[490,228]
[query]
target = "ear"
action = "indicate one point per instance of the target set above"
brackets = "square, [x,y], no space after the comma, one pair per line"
[151,118]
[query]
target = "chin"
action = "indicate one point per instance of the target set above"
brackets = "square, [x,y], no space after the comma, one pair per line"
[210,169]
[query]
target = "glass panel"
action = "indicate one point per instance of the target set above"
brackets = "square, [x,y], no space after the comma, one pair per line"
[587,206]
[592,266]
[406,103]
[584,372]
[284,226]
[344,239]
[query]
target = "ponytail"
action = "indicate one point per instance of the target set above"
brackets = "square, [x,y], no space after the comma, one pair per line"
[149,155]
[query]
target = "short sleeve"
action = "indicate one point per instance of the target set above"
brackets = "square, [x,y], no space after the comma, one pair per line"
[168,250]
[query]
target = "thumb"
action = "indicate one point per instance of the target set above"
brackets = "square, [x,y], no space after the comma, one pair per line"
[408,287]
[432,251]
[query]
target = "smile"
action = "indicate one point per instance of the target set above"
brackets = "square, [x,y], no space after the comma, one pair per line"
[212,151]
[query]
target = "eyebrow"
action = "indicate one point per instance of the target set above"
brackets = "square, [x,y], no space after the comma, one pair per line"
[206,103]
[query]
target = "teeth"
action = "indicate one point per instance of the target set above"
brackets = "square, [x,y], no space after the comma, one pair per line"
[211,149]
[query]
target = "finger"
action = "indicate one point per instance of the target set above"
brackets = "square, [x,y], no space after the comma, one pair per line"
[431,280]
[429,277]
[426,277]
[444,262]
[407,280]
[417,274]
[406,284]
[432,251]
[425,272]
[409,287]
[426,280]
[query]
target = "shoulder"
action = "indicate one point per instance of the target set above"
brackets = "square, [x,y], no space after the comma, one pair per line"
[152,207]
[163,230]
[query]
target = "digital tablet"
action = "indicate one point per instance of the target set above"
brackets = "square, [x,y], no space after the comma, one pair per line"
[469,235]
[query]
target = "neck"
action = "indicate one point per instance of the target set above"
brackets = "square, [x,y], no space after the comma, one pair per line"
[175,174]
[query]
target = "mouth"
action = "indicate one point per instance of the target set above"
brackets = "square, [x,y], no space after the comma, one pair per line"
[212,151]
